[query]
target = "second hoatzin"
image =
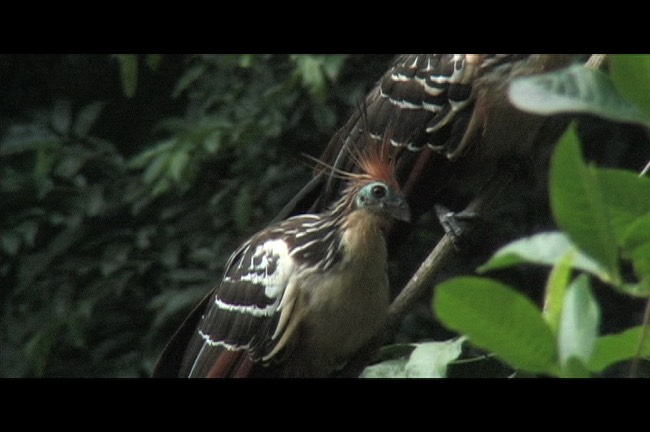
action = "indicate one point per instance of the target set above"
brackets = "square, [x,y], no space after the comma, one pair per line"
[302,295]
[451,124]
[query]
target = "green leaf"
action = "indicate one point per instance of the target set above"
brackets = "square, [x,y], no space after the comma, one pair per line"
[61,116]
[547,248]
[428,360]
[556,286]
[627,197]
[10,242]
[128,73]
[202,256]
[178,164]
[39,348]
[576,89]
[636,244]
[332,65]
[33,265]
[431,359]
[188,78]
[246,60]
[614,348]
[115,256]
[386,369]
[631,76]
[142,159]
[28,230]
[87,117]
[579,323]
[498,319]
[69,165]
[94,200]
[153,61]
[309,68]
[578,205]
[161,186]
[156,168]
[212,141]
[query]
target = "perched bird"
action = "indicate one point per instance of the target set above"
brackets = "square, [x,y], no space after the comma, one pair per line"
[302,295]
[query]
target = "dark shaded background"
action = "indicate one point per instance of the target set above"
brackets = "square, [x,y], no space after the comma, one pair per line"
[119,213]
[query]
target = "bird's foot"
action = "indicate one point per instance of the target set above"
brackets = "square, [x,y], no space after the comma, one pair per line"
[457,225]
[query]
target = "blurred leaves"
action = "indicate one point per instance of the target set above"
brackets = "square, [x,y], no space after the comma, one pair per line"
[104,247]
[128,73]
[129,70]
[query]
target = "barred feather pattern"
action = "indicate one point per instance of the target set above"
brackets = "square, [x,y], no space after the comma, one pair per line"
[454,106]
[249,318]
[420,95]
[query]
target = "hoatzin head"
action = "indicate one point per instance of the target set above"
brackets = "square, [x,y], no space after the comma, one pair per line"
[375,188]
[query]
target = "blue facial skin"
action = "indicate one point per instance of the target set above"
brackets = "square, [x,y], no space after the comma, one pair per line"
[378,196]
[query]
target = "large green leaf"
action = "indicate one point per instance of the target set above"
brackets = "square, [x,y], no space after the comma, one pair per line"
[547,248]
[498,319]
[611,349]
[579,323]
[576,89]
[579,207]
[631,76]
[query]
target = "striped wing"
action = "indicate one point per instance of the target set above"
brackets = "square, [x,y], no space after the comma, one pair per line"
[422,101]
[249,317]
[419,97]
[242,317]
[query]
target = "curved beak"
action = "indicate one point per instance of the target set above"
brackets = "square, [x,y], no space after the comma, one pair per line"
[398,208]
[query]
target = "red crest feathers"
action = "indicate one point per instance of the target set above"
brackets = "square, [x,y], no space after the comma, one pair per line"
[376,162]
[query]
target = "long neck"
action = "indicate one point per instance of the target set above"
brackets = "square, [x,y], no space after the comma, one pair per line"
[362,237]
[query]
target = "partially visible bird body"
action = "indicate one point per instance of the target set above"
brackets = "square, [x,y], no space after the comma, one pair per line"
[450,116]
[302,295]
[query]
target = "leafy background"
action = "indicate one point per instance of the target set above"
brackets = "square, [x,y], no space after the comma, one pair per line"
[127,180]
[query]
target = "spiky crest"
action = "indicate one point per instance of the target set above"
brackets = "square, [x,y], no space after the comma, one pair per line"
[375,162]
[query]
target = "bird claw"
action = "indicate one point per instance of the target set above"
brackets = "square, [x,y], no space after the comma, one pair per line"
[456,225]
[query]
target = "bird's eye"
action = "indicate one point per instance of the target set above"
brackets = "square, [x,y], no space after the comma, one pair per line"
[378,191]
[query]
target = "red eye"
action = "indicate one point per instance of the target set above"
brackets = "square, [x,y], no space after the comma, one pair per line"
[379,191]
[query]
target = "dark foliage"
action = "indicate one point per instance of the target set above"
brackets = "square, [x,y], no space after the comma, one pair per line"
[127,181]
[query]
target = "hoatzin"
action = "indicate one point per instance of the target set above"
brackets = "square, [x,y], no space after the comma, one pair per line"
[302,295]
[289,299]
